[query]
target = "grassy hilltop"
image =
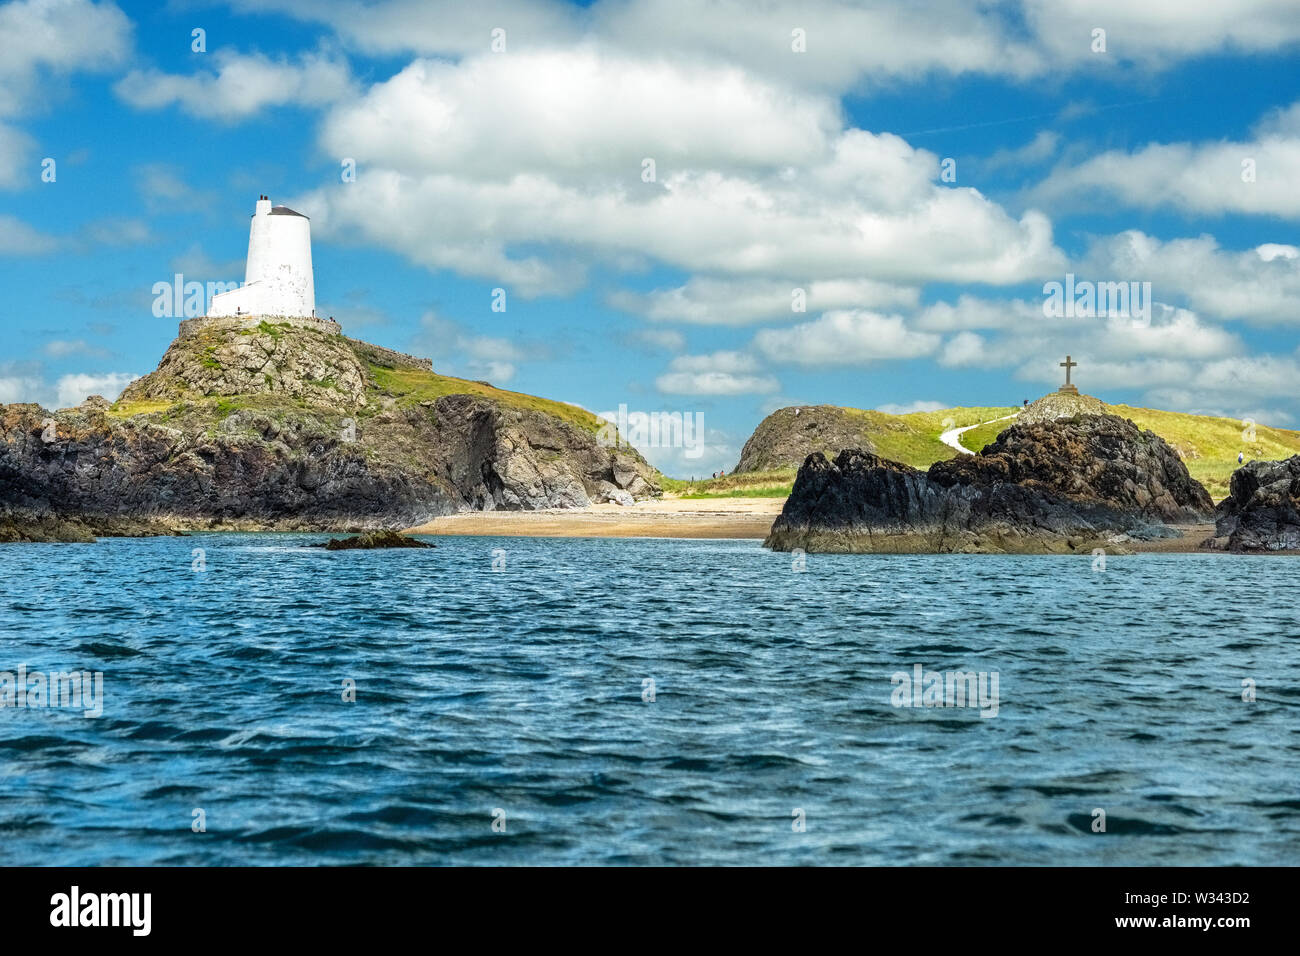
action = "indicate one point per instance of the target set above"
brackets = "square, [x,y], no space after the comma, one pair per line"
[1207,445]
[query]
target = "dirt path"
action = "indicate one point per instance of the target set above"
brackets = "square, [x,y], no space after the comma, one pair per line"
[952,437]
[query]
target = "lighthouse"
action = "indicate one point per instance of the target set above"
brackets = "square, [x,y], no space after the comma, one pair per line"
[277,276]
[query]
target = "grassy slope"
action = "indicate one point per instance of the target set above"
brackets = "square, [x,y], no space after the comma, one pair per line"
[415,385]
[912,439]
[1209,446]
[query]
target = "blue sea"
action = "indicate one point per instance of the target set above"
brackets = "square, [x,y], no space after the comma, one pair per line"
[604,702]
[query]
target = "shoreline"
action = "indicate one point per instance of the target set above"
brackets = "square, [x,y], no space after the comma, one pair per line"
[652,518]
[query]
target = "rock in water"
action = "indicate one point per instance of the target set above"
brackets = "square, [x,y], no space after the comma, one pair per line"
[1262,510]
[1050,486]
[372,540]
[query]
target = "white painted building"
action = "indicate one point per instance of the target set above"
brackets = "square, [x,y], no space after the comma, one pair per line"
[277,277]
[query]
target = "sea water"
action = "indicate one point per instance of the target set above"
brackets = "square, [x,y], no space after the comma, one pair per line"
[587,701]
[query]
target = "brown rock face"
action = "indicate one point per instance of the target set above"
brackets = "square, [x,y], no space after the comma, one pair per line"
[789,435]
[1064,485]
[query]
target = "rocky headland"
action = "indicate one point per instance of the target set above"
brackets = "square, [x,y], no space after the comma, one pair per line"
[1058,485]
[1262,510]
[293,427]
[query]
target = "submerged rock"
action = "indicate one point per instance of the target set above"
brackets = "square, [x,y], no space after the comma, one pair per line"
[1050,486]
[1262,510]
[372,540]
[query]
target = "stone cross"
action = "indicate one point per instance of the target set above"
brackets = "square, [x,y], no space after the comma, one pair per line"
[1067,365]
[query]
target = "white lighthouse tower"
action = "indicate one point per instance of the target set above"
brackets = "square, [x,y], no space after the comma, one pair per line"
[277,277]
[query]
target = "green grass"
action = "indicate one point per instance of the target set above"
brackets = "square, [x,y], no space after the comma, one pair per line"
[772,491]
[411,386]
[1208,445]
[122,409]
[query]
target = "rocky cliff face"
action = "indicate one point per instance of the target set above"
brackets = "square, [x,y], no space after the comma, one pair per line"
[789,435]
[1051,486]
[294,428]
[1262,510]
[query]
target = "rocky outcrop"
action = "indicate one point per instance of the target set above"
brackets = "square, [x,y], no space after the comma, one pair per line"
[789,435]
[1051,486]
[1056,405]
[300,364]
[374,540]
[1262,510]
[291,428]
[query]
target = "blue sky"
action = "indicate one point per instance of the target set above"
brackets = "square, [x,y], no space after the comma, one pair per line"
[776,169]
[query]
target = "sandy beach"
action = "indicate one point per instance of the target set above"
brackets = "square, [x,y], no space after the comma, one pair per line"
[655,518]
[686,518]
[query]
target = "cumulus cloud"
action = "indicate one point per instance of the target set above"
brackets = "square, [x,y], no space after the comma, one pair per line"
[463,165]
[1156,35]
[849,337]
[1255,176]
[709,301]
[240,85]
[73,389]
[920,405]
[721,373]
[44,39]
[1260,285]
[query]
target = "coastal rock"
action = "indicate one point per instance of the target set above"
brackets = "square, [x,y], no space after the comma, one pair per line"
[1262,510]
[1056,405]
[298,429]
[1052,486]
[373,540]
[789,435]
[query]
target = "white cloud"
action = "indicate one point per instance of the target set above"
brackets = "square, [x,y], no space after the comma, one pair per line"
[483,357]
[920,405]
[574,111]
[846,42]
[19,239]
[709,301]
[1254,285]
[73,389]
[967,349]
[845,338]
[460,165]
[1038,150]
[17,157]
[40,39]
[1158,34]
[1255,176]
[721,373]
[240,85]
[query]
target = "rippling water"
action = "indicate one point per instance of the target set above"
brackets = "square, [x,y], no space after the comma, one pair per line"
[521,690]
